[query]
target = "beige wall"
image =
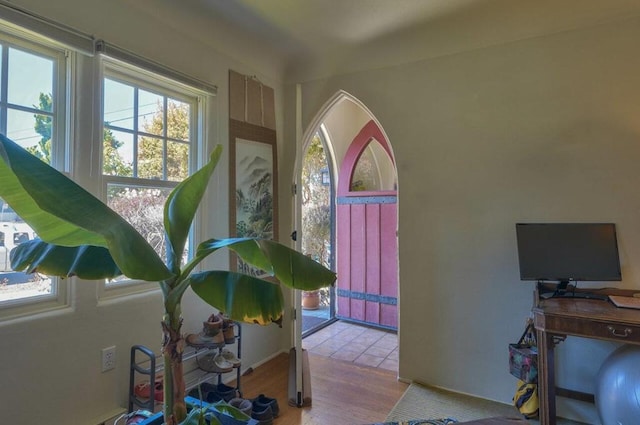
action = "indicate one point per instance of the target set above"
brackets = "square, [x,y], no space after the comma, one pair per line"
[545,129]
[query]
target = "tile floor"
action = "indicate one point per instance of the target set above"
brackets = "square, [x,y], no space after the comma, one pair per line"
[355,343]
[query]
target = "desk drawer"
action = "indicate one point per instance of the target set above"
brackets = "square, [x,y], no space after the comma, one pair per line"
[590,328]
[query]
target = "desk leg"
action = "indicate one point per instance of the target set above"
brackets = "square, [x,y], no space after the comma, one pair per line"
[546,378]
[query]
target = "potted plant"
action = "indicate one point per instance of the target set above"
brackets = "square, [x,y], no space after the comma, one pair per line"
[311,300]
[80,236]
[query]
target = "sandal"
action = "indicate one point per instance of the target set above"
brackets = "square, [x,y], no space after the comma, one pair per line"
[143,389]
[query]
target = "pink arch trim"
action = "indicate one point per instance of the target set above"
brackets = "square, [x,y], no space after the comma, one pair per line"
[368,132]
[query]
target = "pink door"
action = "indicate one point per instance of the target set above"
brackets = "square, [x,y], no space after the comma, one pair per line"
[367,259]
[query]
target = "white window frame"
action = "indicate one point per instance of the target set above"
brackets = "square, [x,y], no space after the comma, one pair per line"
[197,99]
[62,95]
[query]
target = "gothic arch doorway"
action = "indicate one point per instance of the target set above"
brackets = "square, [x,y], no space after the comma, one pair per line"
[362,174]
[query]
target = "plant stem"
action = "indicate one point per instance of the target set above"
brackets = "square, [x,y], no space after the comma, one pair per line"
[175,410]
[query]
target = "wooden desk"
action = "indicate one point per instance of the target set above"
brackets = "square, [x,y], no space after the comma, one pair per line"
[557,318]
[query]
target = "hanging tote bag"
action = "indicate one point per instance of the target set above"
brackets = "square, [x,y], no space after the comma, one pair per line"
[523,364]
[523,356]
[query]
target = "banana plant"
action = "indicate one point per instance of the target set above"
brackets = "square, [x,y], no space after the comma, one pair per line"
[80,236]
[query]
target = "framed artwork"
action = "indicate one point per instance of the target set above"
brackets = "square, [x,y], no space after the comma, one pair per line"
[253,191]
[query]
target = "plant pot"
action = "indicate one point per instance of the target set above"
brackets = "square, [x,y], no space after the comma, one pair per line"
[310,300]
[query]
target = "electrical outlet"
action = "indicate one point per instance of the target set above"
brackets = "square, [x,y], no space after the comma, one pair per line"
[108,358]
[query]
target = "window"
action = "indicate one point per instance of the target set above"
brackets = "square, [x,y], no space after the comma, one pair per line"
[149,144]
[33,101]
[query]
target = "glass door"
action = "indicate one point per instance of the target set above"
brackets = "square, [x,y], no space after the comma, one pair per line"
[318,307]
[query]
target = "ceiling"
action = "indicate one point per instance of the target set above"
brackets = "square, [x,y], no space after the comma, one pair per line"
[319,37]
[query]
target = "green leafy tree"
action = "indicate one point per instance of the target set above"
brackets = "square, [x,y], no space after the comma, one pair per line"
[316,218]
[42,126]
[151,149]
[113,165]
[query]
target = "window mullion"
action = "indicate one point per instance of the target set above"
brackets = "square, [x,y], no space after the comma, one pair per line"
[4,82]
[136,135]
[165,144]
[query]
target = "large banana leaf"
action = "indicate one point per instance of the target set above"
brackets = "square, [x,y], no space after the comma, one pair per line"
[181,206]
[251,299]
[85,261]
[240,296]
[290,267]
[64,214]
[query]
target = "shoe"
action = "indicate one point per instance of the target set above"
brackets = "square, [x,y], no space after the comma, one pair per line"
[262,400]
[206,392]
[215,363]
[228,332]
[242,405]
[226,392]
[212,326]
[143,390]
[137,416]
[263,414]
[230,357]
[202,340]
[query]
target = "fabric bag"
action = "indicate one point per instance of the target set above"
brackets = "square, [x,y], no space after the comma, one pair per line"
[523,356]
[526,399]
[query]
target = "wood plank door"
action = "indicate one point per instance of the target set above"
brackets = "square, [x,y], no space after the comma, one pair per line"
[367,250]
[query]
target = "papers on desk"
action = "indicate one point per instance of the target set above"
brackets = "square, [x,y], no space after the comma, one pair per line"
[625,302]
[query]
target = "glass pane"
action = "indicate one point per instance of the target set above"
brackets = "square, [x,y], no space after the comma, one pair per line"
[118,104]
[316,204]
[150,112]
[31,131]
[29,77]
[150,158]
[117,153]
[177,161]
[374,170]
[178,119]
[143,208]
[17,285]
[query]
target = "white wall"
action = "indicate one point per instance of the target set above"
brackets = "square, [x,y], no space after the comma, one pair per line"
[544,129]
[50,363]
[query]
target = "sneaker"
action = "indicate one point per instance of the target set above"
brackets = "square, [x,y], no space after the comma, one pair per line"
[205,392]
[226,392]
[230,357]
[262,400]
[263,414]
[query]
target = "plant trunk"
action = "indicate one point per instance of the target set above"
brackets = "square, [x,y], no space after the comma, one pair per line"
[175,409]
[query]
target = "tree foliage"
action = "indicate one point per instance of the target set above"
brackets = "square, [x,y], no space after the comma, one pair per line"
[151,150]
[43,126]
[316,217]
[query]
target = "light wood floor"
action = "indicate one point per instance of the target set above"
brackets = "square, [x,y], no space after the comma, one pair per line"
[343,393]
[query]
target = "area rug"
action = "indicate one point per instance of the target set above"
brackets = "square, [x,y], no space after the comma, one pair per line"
[425,402]
[421,422]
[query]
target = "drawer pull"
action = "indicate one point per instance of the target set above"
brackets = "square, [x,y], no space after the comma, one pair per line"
[619,333]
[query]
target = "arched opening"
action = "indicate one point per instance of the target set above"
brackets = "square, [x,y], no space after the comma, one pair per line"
[361,171]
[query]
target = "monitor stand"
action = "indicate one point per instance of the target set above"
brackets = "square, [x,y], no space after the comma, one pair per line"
[564,291]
